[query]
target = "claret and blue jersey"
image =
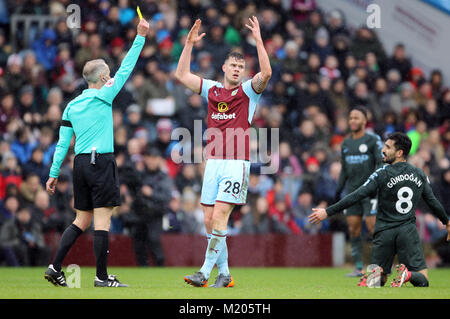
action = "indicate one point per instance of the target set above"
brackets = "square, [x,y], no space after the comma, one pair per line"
[230,111]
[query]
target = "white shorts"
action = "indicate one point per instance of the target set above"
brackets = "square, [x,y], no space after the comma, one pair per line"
[225,180]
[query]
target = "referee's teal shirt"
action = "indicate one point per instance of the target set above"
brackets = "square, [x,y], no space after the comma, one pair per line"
[89,115]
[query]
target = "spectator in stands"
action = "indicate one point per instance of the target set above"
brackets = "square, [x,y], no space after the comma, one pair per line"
[282,218]
[150,205]
[14,78]
[436,81]
[47,143]
[61,201]
[22,241]
[163,142]
[64,63]
[3,49]
[188,178]
[8,208]
[311,175]
[9,112]
[429,113]
[44,213]
[403,101]
[36,166]
[174,214]
[255,220]
[336,24]
[365,41]
[304,138]
[301,9]
[311,26]
[289,169]
[216,45]
[194,111]
[191,219]
[45,49]
[110,27]
[400,61]
[11,173]
[330,68]
[328,181]
[94,49]
[302,209]
[23,145]
[322,45]
[27,107]
[29,188]
[63,34]
[291,63]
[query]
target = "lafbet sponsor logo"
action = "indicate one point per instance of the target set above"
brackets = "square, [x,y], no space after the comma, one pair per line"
[218,116]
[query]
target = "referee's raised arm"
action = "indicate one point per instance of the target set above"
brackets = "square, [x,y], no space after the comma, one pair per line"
[113,85]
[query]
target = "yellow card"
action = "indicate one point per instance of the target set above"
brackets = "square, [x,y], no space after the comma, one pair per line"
[139,12]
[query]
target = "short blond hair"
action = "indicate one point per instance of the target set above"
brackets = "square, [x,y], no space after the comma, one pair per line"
[94,69]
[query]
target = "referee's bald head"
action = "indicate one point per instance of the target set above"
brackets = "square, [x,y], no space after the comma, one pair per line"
[95,71]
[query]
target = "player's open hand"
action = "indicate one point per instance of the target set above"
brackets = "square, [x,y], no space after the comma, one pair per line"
[318,215]
[50,186]
[254,27]
[143,27]
[193,35]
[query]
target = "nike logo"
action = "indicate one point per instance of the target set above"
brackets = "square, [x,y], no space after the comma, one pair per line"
[214,250]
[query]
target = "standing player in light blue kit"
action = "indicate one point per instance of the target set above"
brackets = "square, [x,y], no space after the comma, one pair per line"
[231,106]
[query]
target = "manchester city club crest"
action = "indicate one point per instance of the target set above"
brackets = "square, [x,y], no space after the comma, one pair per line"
[363,148]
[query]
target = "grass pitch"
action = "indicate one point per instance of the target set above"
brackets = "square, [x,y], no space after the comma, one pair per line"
[251,283]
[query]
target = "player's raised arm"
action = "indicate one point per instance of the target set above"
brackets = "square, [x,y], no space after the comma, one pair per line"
[113,86]
[260,80]
[183,71]
[369,188]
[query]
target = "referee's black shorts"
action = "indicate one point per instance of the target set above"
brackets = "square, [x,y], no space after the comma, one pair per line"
[96,185]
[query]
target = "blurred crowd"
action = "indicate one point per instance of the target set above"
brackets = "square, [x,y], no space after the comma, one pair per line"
[321,68]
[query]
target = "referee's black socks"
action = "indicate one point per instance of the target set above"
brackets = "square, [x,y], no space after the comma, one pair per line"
[101,246]
[68,238]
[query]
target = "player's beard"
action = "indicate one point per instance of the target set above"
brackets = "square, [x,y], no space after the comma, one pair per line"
[388,160]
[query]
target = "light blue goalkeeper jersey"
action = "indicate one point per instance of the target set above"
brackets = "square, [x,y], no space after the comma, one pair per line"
[89,116]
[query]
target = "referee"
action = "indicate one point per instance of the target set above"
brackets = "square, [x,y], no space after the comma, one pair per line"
[95,174]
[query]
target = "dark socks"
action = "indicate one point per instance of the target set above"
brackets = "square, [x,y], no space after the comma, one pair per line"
[356,244]
[101,245]
[418,279]
[68,238]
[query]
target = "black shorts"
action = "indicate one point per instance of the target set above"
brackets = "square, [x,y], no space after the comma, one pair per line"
[365,208]
[96,185]
[404,241]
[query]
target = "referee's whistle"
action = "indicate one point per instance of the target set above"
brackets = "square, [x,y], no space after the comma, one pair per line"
[93,155]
